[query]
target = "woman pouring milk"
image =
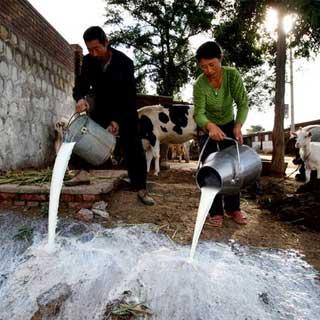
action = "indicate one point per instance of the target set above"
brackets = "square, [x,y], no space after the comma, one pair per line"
[214,93]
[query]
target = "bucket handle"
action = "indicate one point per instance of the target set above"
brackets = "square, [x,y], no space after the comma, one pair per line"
[237,172]
[75,116]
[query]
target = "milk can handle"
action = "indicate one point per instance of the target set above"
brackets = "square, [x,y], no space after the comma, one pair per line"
[238,155]
[75,116]
[201,153]
[237,173]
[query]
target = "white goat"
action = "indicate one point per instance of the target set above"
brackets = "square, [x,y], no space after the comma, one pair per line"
[309,152]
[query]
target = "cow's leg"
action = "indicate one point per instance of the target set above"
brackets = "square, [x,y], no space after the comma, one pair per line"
[174,153]
[186,149]
[148,152]
[164,157]
[156,154]
[149,156]
[308,174]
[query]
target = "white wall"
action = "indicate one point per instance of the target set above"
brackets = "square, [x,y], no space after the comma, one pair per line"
[35,92]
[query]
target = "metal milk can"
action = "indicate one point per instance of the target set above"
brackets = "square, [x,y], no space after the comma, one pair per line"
[229,169]
[93,143]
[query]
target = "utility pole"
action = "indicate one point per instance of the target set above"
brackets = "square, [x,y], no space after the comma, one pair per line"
[292,127]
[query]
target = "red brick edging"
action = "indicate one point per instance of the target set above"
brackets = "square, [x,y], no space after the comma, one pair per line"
[74,201]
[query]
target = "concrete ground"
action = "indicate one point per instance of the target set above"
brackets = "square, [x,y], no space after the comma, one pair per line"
[83,196]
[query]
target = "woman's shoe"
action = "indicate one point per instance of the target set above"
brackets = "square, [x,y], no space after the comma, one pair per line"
[215,221]
[238,216]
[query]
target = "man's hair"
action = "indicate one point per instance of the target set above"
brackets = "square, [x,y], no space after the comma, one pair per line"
[95,33]
[209,50]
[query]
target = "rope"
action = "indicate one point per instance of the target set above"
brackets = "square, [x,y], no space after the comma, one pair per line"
[292,172]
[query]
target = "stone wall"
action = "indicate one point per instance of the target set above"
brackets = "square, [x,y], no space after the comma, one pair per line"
[36,81]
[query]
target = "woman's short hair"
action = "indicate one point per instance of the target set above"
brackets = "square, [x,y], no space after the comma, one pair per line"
[209,50]
[95,33]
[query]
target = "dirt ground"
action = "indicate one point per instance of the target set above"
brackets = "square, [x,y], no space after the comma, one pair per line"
[278,217]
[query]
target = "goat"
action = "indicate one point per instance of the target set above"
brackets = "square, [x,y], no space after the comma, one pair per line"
[309,152]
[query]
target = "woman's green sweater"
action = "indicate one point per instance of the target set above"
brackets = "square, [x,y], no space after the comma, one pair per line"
[216,106]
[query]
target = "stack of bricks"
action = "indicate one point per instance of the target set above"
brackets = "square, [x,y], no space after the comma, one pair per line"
[72,201]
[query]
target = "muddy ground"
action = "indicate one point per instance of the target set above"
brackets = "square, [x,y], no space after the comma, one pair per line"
[278,217]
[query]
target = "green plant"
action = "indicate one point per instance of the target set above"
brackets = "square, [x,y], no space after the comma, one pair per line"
[25,233]
[127,309]
[44,209]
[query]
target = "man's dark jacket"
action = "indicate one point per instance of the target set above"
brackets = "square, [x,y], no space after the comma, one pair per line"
[113,90]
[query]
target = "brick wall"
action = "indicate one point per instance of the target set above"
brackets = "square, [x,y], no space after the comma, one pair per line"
[21,18]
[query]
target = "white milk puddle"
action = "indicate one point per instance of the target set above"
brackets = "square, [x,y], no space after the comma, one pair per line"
[59,169]
[225,282]
[207,197]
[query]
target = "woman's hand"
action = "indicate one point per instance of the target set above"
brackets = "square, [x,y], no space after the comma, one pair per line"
[214,132]
[237,132]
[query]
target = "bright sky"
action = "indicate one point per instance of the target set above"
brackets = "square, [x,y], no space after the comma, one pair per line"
[71,17]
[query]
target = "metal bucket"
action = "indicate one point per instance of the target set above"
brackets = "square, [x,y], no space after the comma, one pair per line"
[93,143]
[230,169]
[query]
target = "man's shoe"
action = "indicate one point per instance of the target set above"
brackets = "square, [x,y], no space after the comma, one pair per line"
[83,177]
[145,198]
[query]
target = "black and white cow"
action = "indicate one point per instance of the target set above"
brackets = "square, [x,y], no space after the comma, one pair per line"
[159,124]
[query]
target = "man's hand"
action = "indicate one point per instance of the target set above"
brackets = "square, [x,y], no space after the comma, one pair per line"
[215,133]
[82,105]
[113,128]
[237,132]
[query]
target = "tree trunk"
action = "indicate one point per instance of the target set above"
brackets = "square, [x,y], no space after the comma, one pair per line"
[278,165]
